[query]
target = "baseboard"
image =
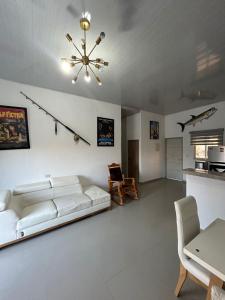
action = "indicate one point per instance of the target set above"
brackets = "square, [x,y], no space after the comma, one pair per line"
[152,180]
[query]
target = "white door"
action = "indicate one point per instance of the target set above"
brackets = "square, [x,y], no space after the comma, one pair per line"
[174,158]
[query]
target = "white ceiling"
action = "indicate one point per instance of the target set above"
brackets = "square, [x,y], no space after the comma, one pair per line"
[155,49]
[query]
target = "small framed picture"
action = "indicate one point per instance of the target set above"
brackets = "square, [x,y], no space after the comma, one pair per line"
[13,128]
[154,130]
[105,132]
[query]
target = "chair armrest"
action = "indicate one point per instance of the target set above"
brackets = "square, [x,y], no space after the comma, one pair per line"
[5,196]
[114,181]
[129,179]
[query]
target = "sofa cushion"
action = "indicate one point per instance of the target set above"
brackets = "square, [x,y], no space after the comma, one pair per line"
[37,213]
[71,203]
[64,180]
[97,194]
[4,199]
[67,190]
[31,198]
[31,187]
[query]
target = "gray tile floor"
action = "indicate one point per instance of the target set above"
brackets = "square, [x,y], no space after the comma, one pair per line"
[128,253]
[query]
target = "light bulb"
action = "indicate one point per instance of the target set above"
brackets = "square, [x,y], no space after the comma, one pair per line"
[86,15]
[74,80]
[66,67]
[102,35]
[87,77]
[100,68]
[98,81]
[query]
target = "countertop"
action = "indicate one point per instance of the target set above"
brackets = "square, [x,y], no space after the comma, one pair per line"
[205,173]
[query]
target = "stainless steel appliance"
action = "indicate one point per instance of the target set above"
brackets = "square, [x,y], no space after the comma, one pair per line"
[216,154]
[203,165]
[216,158]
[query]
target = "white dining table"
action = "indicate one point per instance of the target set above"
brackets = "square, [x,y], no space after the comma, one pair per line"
[208,250]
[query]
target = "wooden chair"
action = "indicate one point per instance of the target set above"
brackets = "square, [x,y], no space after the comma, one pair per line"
[119,185]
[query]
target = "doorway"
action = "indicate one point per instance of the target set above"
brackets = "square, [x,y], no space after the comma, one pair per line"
[174,158]
[133,159]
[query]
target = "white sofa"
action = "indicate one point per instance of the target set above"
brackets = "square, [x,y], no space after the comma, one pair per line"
[41,206]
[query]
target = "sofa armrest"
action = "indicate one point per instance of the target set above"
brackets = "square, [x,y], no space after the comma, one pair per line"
[5,196]
[8,222]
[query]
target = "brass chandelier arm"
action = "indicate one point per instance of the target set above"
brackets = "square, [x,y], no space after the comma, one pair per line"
[94,64]
[77,48]
[92,50]
[96,77]
[80,70]
[92,71]
[79,62]
[70,60]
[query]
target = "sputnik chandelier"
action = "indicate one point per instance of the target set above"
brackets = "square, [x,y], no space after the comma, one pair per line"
[84,58]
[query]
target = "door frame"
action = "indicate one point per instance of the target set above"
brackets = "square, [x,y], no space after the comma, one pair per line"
[182,149]
[137,140]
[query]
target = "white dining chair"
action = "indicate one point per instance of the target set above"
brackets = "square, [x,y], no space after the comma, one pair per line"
[188,228]
[217,293]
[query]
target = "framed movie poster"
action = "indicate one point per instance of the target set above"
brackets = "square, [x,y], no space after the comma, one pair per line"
[13,128]
[105,132]
[154,130]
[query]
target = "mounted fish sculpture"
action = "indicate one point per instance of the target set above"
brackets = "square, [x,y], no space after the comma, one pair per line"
[195,119]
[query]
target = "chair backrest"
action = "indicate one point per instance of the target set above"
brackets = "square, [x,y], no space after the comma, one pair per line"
[115,172]
[188,226]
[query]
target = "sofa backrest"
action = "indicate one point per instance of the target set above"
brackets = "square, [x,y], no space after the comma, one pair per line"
[29,194]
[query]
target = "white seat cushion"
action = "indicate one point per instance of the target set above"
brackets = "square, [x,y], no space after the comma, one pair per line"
[198,271]
[97,194]
[71,203]
[37,213]
[64,181]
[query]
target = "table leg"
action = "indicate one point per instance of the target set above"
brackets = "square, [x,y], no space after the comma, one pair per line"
[213,281]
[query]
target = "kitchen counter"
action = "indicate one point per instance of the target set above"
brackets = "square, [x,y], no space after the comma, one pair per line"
[208,188]
[205,173]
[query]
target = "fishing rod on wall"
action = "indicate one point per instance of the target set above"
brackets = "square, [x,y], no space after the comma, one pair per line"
[77,137]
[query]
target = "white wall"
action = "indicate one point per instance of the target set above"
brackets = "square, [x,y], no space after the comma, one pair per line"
[172,129]
[58,155]
[152,152]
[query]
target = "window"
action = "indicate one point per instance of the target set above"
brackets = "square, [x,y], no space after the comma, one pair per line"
[201,140]
[201,152]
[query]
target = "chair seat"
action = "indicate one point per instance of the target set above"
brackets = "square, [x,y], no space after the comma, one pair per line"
[68,204]
[36,214]
[198,271]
